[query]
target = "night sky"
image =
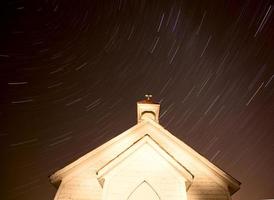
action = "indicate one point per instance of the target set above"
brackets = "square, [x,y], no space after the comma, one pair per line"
[72,71]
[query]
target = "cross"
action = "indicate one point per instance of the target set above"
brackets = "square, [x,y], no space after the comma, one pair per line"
[148,96]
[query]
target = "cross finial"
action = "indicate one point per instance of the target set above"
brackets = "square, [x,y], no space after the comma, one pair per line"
[148,96]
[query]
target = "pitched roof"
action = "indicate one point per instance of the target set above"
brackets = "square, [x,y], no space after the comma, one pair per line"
[176,148]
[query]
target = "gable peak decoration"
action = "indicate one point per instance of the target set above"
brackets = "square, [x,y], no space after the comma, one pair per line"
[148,109]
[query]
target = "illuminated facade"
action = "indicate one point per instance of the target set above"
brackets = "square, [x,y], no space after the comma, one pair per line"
[146,162]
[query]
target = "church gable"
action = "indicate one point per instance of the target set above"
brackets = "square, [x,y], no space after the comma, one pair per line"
[147,158]
[151,152]
[144,164]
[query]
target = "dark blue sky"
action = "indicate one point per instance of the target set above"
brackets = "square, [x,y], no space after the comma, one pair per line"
[72,72]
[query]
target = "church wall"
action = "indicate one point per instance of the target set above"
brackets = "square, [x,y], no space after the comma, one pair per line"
[204,188]
[86,187]
[83,186]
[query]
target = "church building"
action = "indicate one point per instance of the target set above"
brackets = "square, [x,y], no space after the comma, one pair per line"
[146,162]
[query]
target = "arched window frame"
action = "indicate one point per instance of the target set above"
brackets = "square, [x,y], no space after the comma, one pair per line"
[139,185]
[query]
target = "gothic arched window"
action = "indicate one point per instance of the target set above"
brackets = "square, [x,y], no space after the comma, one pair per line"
[144,191]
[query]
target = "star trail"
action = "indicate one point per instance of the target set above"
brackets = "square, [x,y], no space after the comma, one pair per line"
[72,72]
